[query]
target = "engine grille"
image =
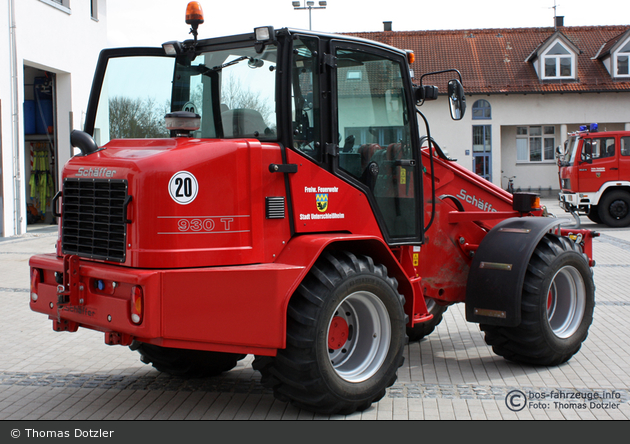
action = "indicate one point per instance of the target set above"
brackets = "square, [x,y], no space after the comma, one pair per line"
[94,218]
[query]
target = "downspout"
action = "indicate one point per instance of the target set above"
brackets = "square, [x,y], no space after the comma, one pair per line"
[15,124]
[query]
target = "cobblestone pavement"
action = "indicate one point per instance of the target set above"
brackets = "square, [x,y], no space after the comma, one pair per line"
[452,374]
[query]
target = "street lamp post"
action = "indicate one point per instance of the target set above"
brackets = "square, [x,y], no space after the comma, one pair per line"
[310,5]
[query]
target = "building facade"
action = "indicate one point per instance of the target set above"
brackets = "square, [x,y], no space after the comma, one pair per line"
[49,50]
[526,89]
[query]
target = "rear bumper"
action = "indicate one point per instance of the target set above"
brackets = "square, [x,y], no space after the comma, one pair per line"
[239,309]
[106,309]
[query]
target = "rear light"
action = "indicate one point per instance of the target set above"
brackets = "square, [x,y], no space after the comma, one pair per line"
[137,304]
[36,278]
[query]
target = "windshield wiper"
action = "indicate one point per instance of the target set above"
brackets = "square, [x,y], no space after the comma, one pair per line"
[252,63]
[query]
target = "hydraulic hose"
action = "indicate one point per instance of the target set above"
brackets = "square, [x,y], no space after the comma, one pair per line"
[426,124]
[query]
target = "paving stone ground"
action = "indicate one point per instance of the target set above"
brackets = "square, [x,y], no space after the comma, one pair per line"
[451,375]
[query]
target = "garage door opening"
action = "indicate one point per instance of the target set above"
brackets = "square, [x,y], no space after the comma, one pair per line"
[40,146]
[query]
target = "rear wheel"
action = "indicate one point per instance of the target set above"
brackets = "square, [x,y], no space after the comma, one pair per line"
[419,331]
[345,337]
[557,307]
[186,363]
[614,208]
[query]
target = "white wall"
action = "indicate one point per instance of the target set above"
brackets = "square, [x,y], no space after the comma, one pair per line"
[565,111]
[5,114]
[68,45]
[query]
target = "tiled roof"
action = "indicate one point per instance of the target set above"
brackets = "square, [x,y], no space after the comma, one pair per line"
[493,61]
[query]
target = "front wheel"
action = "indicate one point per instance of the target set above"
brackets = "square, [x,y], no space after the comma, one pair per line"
[345,337]
[593,214]
[614,208]
[186,363]
[556,309]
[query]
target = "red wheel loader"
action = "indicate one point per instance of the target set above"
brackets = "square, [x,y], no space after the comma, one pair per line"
[278,193]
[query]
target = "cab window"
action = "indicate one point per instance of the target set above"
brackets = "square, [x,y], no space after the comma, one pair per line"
[600,148]
[305,97]
[233,91]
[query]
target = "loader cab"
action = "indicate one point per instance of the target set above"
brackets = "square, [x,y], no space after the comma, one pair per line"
[345,104]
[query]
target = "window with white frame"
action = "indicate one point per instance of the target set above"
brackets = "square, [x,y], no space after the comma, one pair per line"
[622,57]
[535,143]
[558,62]
[62,5]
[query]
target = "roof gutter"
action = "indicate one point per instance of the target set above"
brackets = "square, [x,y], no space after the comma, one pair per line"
[15,124]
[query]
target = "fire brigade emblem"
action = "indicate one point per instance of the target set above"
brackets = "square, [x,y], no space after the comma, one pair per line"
[322,202]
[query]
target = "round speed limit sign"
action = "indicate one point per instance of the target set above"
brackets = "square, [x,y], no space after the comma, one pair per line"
[183,187]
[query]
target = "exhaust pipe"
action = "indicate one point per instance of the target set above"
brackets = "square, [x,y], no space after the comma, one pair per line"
[83,141]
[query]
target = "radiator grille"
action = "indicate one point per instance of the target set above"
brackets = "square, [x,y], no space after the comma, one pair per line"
[94,218]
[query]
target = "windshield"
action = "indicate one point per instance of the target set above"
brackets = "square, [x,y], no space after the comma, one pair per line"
[232,90]
[571,149]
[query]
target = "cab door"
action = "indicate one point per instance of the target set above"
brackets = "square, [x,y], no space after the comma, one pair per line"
[377,136]
[624,158]
[598,163]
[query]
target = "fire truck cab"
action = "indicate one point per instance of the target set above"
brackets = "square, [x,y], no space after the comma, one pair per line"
[594,173]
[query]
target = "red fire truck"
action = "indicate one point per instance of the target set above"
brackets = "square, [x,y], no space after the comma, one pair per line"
[594,172]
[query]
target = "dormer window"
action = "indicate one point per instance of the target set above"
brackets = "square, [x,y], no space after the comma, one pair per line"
[621,61]
[615,56]
[558,62]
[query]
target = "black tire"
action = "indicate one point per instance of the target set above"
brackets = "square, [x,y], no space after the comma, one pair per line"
[345,337]
[593,214]
[419,331]
[614,208]
[556,309]
[186,363]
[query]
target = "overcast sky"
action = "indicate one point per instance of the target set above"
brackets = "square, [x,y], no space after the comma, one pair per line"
[152,22]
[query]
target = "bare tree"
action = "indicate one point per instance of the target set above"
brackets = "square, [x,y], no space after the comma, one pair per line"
[135,118]
[235,96]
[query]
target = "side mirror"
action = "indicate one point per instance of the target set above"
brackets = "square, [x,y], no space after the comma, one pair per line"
[456,99]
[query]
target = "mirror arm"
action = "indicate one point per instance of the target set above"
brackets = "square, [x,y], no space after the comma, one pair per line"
[441,72]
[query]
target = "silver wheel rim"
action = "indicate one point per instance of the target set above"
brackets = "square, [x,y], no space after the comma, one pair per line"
[566,302]
[358,356]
